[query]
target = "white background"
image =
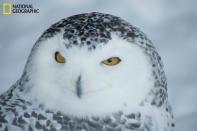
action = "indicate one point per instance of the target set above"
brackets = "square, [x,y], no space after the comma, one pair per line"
[170,24]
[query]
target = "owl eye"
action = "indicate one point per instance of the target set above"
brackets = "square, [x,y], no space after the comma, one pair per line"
[59,58]
[111,61]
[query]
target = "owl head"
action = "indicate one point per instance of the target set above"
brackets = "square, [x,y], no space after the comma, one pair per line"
[94,64]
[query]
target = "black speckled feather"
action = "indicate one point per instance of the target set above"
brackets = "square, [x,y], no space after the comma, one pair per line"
[18,114]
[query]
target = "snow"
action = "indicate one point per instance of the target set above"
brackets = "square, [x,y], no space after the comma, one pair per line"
[171,25]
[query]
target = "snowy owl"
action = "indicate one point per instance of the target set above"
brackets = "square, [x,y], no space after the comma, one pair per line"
[89,72]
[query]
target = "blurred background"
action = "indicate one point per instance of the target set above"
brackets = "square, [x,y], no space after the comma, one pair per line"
[170,24]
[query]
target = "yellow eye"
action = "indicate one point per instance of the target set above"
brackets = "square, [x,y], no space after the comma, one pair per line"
[112,61]
[59,58]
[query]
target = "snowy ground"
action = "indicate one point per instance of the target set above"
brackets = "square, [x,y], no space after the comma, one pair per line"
[170,24]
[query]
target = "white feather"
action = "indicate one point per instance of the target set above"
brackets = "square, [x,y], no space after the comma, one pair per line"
[105,89]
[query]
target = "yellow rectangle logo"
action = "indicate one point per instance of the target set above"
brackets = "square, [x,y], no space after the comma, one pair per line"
[4,6]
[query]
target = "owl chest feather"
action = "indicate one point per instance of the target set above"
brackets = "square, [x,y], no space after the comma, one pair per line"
[18,114]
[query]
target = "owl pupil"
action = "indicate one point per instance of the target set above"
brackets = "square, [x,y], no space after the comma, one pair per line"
[109,60]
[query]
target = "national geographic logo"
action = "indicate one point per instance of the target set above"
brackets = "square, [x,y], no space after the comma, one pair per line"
[7,5]
[9,8]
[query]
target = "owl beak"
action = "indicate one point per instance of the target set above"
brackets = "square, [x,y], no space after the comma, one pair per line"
[78,87]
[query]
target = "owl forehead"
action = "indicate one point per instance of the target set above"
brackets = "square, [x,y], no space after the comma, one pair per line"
[91,30]
[114,47]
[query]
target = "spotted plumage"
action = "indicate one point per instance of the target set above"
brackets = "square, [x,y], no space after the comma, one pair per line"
[22,107]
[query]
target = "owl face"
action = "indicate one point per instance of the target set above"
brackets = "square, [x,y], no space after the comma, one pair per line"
[112,77]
